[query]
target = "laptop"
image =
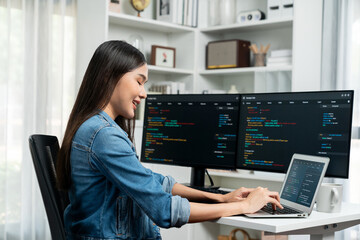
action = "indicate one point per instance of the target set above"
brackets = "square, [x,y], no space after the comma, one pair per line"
[299,189]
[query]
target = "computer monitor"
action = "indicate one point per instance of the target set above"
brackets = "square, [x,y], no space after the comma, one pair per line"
[194,130]
[274,126]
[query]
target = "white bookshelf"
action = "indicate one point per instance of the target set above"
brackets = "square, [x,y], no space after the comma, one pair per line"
[145,23]
[172,71]
[97,24]
[255,26]
[190,44]
[236,71]
[276,32]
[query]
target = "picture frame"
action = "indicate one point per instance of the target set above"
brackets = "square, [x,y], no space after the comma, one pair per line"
[163,56]
[114,6]
[165,10]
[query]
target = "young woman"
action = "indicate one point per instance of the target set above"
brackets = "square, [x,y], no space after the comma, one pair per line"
[112,196]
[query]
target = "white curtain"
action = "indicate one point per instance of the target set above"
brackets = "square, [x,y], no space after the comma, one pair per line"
[341,70]
[37,87]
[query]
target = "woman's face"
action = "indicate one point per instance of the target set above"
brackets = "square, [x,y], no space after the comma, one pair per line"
[128,93]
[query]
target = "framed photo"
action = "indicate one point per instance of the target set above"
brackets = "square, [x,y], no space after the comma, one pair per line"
[114,6]
[163,56]
[165,10]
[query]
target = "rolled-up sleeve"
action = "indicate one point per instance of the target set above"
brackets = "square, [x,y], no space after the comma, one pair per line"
[180,211]
[168,184]
[180,207]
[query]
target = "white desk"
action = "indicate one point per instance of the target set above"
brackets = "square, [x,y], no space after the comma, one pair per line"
[318,225]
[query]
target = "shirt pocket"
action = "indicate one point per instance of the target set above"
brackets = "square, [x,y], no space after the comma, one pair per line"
[156,231]
[122,228]
[132,222]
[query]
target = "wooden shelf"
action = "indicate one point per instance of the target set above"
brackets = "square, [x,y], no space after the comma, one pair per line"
[165,70]
[146,23]
[256,26]
[235,71]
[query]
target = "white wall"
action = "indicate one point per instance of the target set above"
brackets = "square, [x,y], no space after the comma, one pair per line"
[307,37]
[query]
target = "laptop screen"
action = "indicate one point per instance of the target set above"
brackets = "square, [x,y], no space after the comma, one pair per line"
[302,181]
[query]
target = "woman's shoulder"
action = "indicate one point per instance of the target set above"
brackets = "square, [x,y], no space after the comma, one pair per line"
[95,125]
[99,132]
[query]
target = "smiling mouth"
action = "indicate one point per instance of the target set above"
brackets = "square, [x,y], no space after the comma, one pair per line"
[135,104]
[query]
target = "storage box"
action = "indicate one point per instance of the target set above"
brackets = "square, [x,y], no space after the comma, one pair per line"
[227,54]
[287,8]
[274,9]
[280,9]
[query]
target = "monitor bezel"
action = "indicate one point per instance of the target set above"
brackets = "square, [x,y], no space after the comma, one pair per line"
[189,163]
[303,92]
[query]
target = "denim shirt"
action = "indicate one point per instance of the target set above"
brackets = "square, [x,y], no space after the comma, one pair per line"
[112,196]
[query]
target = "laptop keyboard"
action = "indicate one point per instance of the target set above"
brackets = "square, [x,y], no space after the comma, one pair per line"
[269,209]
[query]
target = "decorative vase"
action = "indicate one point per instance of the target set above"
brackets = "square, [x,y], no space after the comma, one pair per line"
[137,41]
[227,12]
[213,13]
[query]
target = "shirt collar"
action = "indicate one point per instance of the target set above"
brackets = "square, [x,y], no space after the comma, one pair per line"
[107,117]
[111,121]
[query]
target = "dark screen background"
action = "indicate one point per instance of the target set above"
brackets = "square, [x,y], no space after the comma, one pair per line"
[275,126]
[191,130]
[302,181]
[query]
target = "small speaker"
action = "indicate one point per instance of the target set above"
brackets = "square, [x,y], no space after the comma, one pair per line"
[227,54]
[250,16]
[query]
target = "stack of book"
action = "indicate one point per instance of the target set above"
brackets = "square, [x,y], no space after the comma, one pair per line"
[281,57]
[182,12]
[167,88]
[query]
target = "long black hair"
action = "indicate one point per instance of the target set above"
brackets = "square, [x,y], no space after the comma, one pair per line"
[111,60]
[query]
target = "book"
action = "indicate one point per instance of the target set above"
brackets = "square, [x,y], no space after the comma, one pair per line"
[279,60]
[180,10]
[195,13]
[168,87]
[278,64]
[281,53]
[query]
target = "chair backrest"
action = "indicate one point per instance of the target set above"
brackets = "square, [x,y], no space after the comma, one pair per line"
[44,149]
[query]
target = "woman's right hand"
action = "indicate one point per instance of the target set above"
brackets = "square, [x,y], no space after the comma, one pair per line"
[259,197]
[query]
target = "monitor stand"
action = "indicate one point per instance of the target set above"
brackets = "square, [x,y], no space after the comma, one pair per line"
[198,178]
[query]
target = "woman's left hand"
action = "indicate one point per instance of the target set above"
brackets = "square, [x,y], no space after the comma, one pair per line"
[237,195]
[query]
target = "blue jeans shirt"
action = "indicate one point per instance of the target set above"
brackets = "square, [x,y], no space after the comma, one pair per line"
[112,196]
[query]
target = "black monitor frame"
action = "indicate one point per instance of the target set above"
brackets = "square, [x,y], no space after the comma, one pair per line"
[197,169]
[254,168]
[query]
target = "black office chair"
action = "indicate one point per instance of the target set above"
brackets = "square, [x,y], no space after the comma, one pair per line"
[44,149]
